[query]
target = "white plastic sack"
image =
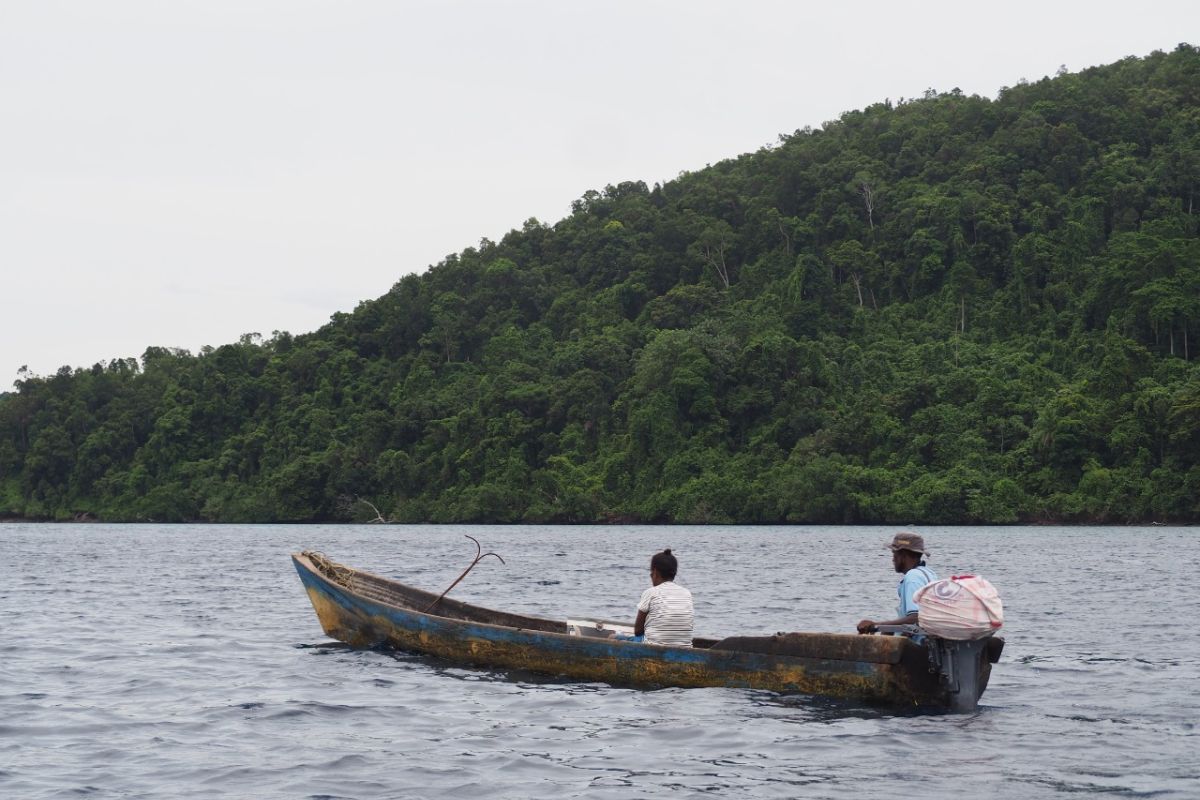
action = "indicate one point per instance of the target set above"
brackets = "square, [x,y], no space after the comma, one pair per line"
[960,607]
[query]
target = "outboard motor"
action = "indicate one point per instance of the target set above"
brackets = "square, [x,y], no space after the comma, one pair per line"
[963,667]
[959,616]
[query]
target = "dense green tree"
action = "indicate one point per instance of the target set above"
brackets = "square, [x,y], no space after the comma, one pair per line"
[948,309]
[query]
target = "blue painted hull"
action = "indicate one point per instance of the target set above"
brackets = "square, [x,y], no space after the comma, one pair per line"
[366,610]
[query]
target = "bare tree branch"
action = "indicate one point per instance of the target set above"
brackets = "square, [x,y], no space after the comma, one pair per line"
[715,256]
[868,196]
[347,504]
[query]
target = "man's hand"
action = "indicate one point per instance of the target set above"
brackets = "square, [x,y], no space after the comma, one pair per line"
[866,626]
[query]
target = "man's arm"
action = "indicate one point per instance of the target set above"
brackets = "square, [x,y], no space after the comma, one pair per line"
[639,626]
[908,588]
[870,625]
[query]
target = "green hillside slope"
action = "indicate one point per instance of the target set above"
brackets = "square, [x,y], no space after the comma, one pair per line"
[953,309]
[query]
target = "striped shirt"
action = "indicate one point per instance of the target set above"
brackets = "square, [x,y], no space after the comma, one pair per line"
[668,608]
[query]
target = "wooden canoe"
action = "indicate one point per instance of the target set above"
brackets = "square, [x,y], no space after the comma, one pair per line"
[367,610]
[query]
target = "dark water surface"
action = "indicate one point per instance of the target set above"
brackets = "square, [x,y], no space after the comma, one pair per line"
[170,661]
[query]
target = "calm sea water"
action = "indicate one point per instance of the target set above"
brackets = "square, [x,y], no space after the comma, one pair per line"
[167,661]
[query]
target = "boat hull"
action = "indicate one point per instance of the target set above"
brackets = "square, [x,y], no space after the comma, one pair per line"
[888,670]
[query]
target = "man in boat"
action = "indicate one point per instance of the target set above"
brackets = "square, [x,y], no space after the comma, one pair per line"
[665,614]
[908,558]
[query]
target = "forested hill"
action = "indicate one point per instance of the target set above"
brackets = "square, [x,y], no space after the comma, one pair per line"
[953,309]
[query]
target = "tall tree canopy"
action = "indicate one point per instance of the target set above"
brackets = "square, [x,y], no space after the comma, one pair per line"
[949,309]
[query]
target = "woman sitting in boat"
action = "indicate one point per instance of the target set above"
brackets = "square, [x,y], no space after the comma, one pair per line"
[665,610]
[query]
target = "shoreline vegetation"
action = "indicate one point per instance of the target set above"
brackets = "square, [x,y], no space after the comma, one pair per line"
[91,520]
[944,310]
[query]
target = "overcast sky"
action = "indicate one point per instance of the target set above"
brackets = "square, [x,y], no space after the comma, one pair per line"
[180,173]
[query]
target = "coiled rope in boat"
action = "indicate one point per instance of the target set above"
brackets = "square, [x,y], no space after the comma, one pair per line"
[341,575]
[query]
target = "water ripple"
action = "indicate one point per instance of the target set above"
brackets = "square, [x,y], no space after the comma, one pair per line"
[198,669]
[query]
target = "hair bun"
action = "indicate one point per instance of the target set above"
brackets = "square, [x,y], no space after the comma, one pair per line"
[667,551]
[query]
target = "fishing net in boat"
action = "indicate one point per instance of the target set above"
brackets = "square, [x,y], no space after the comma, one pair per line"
[961,607]
[337,573]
